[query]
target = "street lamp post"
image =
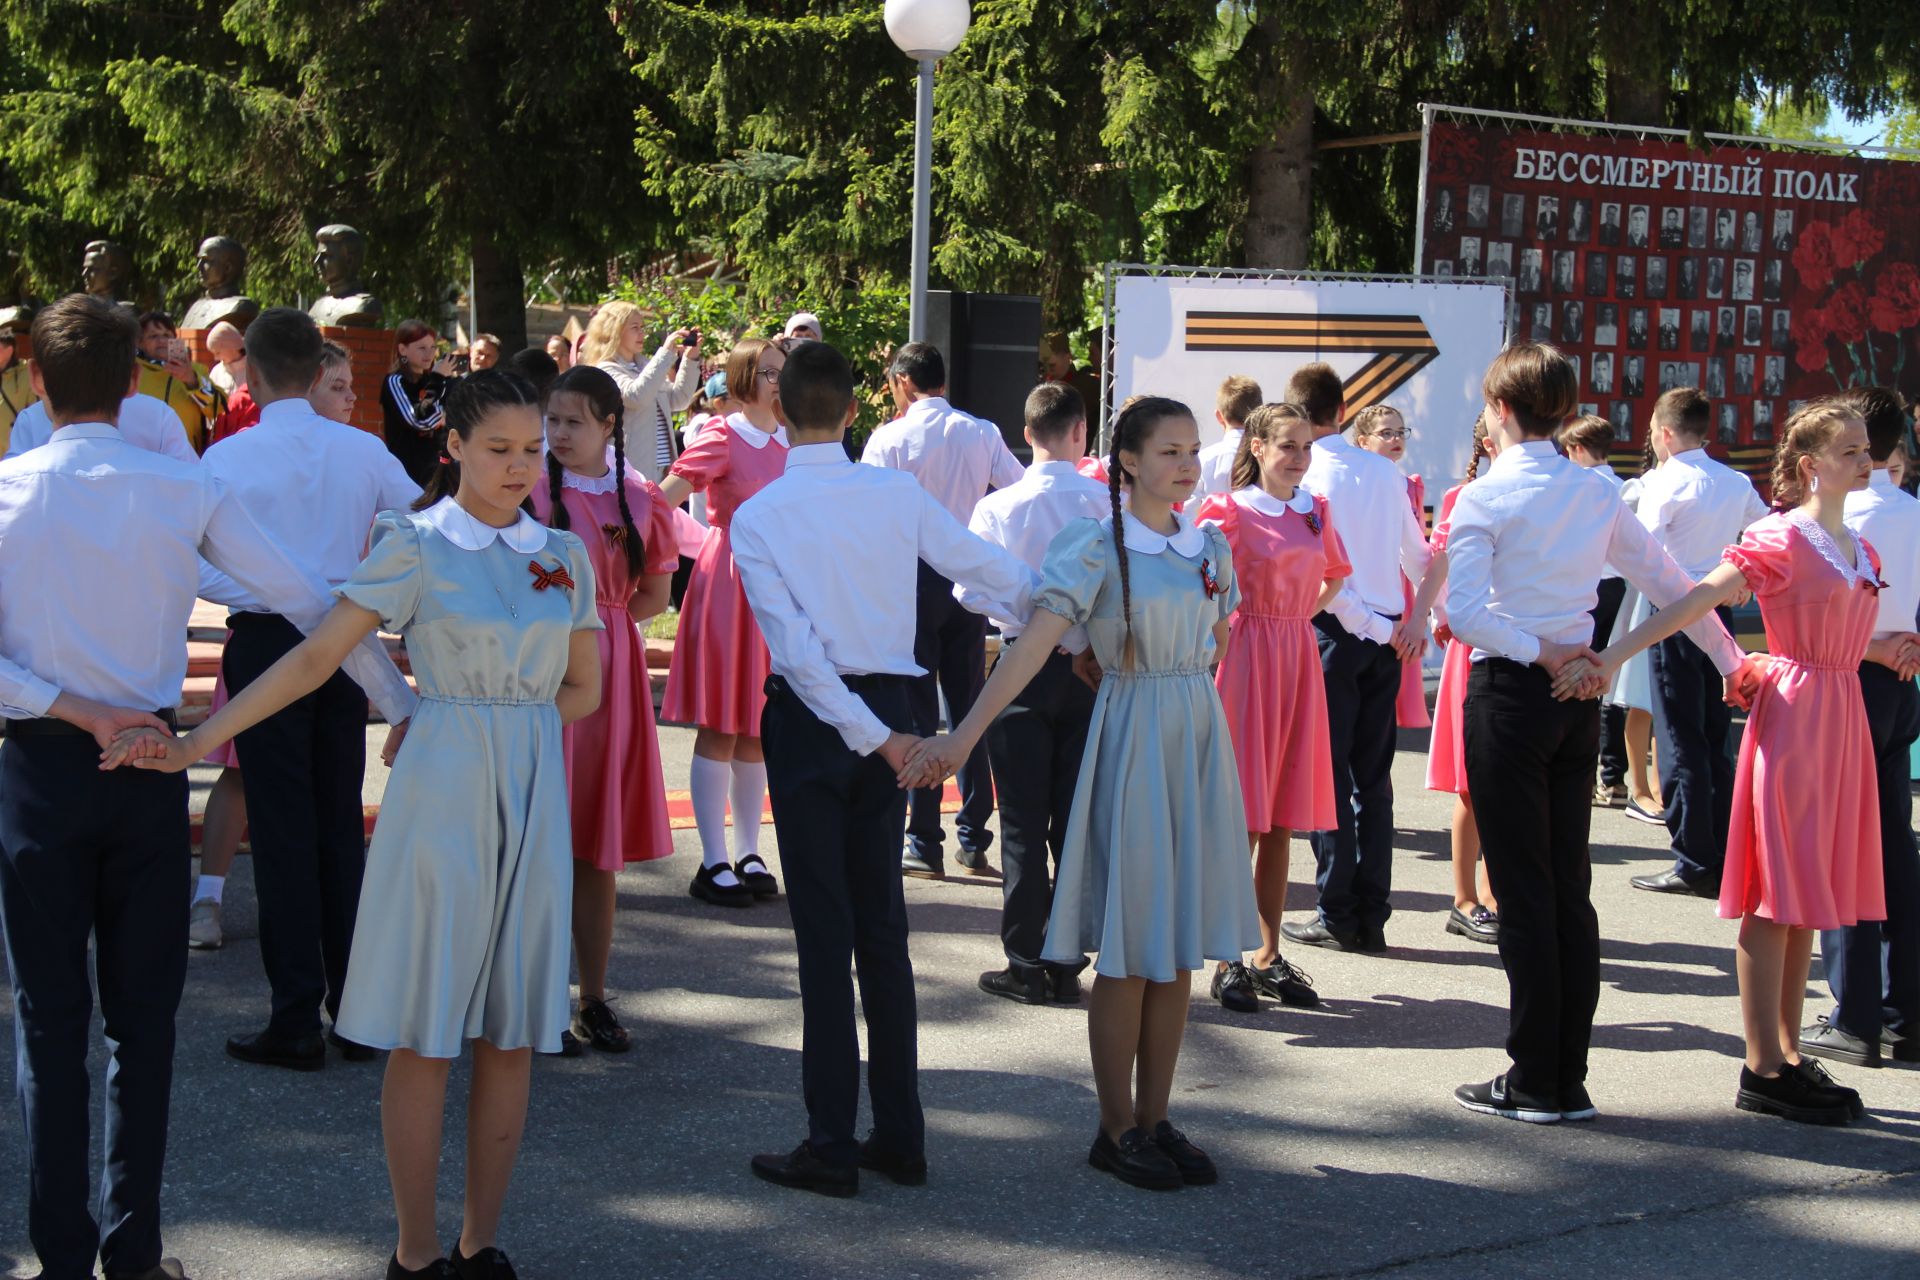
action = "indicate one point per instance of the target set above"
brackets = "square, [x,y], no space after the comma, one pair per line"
[925,30]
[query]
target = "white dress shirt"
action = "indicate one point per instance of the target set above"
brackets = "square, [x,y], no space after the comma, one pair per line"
[100,549]
[1368,498]
[1216,467]
[145,422]
[1606,472]
[1025,516]
[1697,508]
[828,554]
[1889,518]
[1525,548]
[955,456]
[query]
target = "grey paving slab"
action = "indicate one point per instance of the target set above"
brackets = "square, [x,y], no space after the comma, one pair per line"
[1343,1154]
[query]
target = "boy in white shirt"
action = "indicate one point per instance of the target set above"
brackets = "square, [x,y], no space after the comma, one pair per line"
[1239,396]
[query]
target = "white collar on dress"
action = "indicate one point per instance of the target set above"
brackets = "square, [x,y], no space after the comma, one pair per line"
[606,482]
[1188,541]
[1861,570]
[1255,498]
[754,435]
[525,535]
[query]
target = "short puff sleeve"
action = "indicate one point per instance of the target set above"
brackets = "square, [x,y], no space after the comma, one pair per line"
[1215,509]
[1763,555]
[1220,562]
[390,580]
[1075,570]
[707,458]
[586,617]
[1338,563]
[653,517]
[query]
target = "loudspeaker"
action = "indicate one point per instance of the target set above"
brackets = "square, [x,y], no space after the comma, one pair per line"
[991,343]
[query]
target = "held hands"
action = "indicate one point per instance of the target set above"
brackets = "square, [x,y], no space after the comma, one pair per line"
[1578,672]
[1744,683]
[1409,641]
[1900,652]
[931,761]
[105,723]
[146,748]
[395,736]
[1443,635]
[1086,668]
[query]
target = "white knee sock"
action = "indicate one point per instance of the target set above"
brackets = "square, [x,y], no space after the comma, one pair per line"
[210,887]
[707,780]
[748,794]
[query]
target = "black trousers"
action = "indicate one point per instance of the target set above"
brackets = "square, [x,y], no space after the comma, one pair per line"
[950,644]
[104,854]
[838,818]
[1694,727]
[1036,745]
[1613,720]
[1531,760]
[302,769]
[1873,968]
[1353,864]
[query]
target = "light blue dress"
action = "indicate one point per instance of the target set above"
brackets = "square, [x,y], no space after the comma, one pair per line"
[466,909]
[1154,871]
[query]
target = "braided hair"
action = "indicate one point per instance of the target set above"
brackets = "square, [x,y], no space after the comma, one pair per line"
[1479,449]
[1649,459]
[603,398]
[1808,431]
[1131,427]
[468,401]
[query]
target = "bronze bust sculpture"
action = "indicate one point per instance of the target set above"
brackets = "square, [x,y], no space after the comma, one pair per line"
[223,270]
[341,253]
[104,268]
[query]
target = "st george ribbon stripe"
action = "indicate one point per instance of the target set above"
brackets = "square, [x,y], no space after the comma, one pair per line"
[1399,346]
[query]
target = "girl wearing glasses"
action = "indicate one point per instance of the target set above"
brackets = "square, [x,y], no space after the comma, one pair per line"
[720,662]
[1380,429]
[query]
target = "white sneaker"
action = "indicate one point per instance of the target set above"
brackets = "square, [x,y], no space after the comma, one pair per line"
[203,928]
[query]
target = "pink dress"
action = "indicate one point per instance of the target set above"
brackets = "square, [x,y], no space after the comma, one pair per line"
[720,661]
[614,784]
[1270,683]
[223,754]
[1410,710]
[1804,845]
[1446,746]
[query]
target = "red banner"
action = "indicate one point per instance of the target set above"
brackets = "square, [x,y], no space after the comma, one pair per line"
[1765,278]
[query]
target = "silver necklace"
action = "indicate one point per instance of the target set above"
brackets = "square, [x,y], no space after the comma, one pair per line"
[513,610]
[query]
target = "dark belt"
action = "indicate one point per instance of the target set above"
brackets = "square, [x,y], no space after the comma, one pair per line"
[856,683]
[53,727]
[251,615]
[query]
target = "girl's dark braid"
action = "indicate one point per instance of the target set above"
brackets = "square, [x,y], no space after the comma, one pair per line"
[1473,464]
[1648,458]
[1120,546]
[636,553]
[558,519]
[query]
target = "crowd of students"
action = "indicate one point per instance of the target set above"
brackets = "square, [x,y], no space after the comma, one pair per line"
[1202,648]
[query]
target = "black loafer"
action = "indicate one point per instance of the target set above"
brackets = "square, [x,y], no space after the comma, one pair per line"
[804,1171]
[719,895]
[438,1269]
[1136,1161]
[1063,987]
[1670,881]
[753,873]
[908,1171]
[1233,988]
[1196,1169]
[352,1050]
[1012,986]
[1315,933]
[1791,1096]
[488,1264]
[271,1049]
[1281,981]
[1477,925]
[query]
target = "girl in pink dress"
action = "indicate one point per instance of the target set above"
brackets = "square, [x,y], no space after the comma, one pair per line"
[1290,562]
[1380,429]
[1474,914]
[720,664]
[1803,851]
[615,792]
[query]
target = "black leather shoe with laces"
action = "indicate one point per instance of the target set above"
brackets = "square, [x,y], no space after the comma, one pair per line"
[596,1025]
[805,1171]
[1135,1161]
[1822,1079]
[907,1171]
[488,1264]
[438,1269]
[1196,1168]
[1791,1095]
[1014,986]
[1281,981]
[1233,988]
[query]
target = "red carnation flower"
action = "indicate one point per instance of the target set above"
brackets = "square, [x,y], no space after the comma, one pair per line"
[1896,298]
[1813,256]
[1847,312]
[1856,238]
[1810,338]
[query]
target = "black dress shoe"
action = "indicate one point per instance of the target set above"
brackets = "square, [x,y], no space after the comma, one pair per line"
[1136,1161]
[169,1269]
[974,864]
[1063,987]
[488,1264]
[921,867]
[752,872]
[438,1269]
[1315,933]
[1012,986]
[1281,981]
[352,1050]
[803,1170]
[1671,881]
[596,1024]
[1822,1079]
[570,1046]
[1196,1169]
[1477,925]
[271,1049]
[908,1171]
[1233,988]
[1790,1095]
[719,895]
[1904,1048]
[1831,1041]
[1373,939]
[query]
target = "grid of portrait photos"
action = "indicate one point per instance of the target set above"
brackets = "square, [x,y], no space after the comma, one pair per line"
[1644,295]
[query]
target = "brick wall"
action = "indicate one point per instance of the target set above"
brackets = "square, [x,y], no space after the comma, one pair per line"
[372,350]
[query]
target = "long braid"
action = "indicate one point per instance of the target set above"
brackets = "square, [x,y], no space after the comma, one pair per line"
[559,518]
[1648,458]
[636,553]
[1473,465]
[1120,546]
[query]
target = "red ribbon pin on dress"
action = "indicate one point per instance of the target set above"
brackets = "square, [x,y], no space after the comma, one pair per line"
[616,534]
[1208,579]
[544,577]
